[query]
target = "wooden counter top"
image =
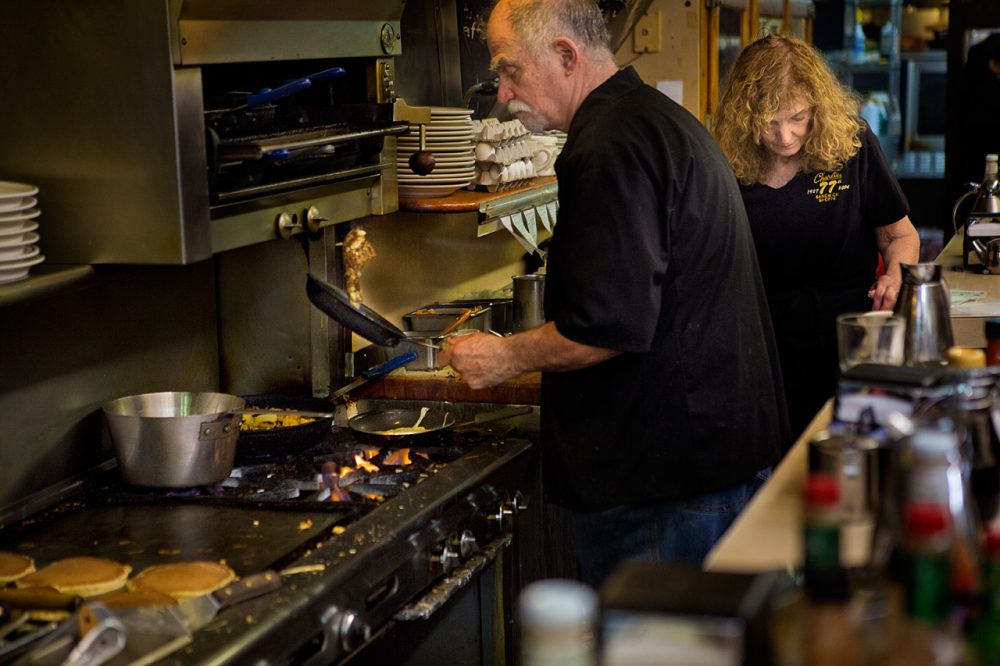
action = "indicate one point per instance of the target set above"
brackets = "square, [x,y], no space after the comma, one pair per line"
[767,536]
[525,390]
[465,201]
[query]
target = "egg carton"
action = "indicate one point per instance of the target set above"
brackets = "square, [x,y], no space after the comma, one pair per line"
[507,152]
[491,130]
[498,177]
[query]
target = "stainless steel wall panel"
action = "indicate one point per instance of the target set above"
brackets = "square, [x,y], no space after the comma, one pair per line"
[119,331]
[106,159]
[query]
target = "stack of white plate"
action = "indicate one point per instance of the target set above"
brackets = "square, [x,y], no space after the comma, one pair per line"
[18,239]
[560,138]
[449,138]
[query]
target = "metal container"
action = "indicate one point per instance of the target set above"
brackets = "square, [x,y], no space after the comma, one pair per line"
[925,304]
[435,318]
[174,439]
[529,309]
[862,466]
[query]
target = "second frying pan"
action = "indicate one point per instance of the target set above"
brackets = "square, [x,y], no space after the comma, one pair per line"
[362,320]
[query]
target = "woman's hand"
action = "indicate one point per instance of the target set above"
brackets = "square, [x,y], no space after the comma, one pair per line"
[884,292]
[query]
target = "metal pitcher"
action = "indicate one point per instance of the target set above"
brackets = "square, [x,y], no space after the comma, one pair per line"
[989,254]
[926,306]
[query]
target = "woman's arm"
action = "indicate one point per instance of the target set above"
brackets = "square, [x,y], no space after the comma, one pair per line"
[898,244]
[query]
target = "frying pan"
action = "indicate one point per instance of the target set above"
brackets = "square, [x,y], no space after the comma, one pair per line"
[362,320]
[256,444]
[437,424]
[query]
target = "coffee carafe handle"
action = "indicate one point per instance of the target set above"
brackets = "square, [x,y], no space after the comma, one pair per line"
[974,188]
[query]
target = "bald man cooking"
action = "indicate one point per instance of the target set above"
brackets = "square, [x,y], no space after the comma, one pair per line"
[661,395]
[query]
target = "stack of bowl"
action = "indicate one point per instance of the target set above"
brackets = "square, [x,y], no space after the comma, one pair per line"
[18,237]
[449,138]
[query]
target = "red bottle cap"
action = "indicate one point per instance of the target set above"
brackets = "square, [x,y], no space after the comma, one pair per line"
[822,490]
[924,519]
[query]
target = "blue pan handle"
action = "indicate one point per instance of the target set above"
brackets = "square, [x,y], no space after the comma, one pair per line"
[389,366]
[332,73]
[267,95]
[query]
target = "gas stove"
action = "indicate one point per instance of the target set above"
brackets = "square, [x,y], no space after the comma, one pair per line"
[395,546]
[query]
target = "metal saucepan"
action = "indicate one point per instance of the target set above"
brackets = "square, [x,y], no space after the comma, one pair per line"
[395,427]
[178,439]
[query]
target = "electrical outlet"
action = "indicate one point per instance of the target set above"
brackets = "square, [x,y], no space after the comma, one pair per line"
[646,36]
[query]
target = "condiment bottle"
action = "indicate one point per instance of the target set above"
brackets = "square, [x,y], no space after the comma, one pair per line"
[925,636]
[825,579]
[558,623]
[993,342]
[986,636]
[966,357]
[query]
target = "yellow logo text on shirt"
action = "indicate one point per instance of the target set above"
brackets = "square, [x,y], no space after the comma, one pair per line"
[828,186]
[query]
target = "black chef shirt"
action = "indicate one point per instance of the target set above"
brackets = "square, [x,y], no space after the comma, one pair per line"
[652,256]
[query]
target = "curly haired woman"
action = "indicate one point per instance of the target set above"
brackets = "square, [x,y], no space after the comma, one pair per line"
[822,202]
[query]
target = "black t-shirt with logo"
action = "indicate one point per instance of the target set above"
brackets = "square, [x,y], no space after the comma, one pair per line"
[818,256]
[652,256]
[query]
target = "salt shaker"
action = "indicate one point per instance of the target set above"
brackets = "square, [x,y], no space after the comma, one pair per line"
[558,620]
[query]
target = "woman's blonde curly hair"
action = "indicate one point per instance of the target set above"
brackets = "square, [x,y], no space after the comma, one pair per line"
[770,73]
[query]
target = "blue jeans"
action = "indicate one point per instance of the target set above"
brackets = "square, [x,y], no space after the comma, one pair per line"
[681,530]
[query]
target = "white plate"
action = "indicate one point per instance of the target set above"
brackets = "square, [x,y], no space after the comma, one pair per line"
[9,190]
[444,146]
[18,240]
[12,205]
[451,174]
[18,271]
[440,165]
[13,255]
[451,124]
[19,216]
[17,228]
[427,181]
[429,191]
[450,111]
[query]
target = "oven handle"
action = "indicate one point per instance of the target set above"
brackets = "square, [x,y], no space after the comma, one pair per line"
[256,150]
[427,605]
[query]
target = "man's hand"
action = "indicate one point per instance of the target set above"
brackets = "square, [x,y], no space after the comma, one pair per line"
[482,360]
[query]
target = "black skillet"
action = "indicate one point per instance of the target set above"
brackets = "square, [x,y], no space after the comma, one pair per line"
[256,444]
[437,424]
[362,320]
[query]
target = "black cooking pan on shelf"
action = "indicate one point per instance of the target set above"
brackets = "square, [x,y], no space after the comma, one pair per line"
[421,426]
[362,320]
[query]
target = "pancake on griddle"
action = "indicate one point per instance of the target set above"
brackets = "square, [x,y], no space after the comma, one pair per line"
[135,599]
[13,566]
[83,576]
[182,580]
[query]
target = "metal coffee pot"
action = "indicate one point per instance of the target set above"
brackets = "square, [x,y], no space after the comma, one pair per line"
[989,254]
[925,304]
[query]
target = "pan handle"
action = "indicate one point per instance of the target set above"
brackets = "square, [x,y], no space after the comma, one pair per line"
[389,366]
[497,415]
[268,95]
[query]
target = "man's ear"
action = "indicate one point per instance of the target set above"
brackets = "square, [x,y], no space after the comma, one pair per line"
[568,52]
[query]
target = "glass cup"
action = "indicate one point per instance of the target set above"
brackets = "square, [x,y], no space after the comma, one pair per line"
[870,337]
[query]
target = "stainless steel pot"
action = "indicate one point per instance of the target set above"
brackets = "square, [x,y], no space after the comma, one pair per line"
[175,439]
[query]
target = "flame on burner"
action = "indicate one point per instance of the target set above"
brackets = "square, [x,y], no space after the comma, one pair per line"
[371,453]
[398,457]
[364,464]
[332,481]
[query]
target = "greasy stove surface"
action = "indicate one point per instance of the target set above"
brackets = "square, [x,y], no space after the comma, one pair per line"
[372,552]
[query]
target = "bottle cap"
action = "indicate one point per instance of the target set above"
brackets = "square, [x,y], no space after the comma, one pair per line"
[924,519]
[993,542]
[822,490]
[966,357]
[993,328]
[558,603]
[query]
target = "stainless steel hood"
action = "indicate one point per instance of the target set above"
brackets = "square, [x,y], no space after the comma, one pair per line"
[219,31]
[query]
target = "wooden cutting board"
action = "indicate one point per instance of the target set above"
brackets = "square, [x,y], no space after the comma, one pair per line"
[524,390]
